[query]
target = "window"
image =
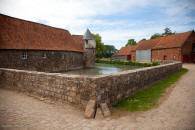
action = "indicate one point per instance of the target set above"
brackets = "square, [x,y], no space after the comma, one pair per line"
[174,57]
[62,56]
[193,47]
[24,55]
[86,41]
[165,57]
[44,55]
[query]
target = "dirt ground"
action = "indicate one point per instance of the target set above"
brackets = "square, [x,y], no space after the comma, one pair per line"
[176,111]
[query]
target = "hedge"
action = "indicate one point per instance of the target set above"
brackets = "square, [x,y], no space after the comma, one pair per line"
[124,62]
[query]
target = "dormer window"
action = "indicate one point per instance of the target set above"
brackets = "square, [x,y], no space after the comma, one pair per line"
[24,55]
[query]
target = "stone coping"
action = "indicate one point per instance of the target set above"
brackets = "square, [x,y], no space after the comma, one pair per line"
[92,76]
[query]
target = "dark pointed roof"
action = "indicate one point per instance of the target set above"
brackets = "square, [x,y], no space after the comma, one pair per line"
[88,35]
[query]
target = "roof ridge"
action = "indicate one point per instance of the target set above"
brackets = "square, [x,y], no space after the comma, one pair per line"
[34,36]
[187,37]
[158,45]
[33,22]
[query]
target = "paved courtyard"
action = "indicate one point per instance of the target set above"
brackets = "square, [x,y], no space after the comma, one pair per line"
[176,111]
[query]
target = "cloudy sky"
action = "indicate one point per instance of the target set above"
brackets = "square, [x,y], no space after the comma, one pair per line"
[115,20]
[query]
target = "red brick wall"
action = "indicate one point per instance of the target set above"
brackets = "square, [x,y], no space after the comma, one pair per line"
[183,54]
[187,55]
[173,54]
[133,55]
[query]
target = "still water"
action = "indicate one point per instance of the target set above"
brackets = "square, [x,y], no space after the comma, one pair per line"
[100,69]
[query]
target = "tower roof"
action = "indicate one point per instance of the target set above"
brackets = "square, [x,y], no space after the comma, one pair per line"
[88,35]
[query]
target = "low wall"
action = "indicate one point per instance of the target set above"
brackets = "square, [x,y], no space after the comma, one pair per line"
[73,89]
[110,88]
[115,87]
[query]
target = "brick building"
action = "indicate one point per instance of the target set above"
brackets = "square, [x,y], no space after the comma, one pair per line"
[32,46]
[177,47]
[125,53]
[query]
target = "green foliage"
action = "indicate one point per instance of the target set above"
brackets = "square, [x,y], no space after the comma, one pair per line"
[156,35]
[142,39]
[167,31]
[108,51]
[131,42]
[149,97]
[99,45]
[124,62]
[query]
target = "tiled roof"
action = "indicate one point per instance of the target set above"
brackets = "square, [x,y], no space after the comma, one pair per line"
[147,44]
[79,41]
[21,34]
[125,50]
[170,41]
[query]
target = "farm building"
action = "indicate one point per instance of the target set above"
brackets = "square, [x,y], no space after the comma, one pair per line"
[125,53]
[177,47]
[32,46]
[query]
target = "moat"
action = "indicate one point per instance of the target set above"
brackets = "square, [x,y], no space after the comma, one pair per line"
[100,69]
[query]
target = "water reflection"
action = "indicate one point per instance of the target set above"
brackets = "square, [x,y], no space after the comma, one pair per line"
[102,69]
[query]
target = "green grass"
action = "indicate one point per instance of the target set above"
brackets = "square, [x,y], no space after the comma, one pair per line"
[149,97]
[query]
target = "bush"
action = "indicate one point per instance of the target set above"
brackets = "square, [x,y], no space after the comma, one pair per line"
[124,62]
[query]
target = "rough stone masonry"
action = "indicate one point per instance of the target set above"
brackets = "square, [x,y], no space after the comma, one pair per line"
[75,89]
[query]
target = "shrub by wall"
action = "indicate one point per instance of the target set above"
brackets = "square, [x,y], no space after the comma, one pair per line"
[125,62]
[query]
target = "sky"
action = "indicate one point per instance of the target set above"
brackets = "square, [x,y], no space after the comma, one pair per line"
[115,21]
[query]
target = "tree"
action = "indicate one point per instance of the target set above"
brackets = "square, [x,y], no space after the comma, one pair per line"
[108,51]
[99,45]
[131,42]
[156,35]
[167,31]
[142,39]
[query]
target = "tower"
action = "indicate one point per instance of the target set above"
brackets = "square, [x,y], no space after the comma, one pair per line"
[89,48]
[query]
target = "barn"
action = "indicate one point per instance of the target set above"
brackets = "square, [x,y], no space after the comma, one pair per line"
[125,53]
[32,46]
[177,47]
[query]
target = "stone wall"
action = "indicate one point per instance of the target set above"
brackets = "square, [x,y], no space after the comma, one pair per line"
[70,88]
[89,57]
[115,87]
[110,88]
[54,60]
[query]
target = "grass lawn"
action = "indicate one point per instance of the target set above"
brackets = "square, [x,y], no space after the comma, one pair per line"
[149,97]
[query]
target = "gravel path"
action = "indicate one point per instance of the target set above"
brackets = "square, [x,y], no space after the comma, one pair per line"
[176,112]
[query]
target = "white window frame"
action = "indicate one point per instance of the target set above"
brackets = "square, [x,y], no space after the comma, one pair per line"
[24,55]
